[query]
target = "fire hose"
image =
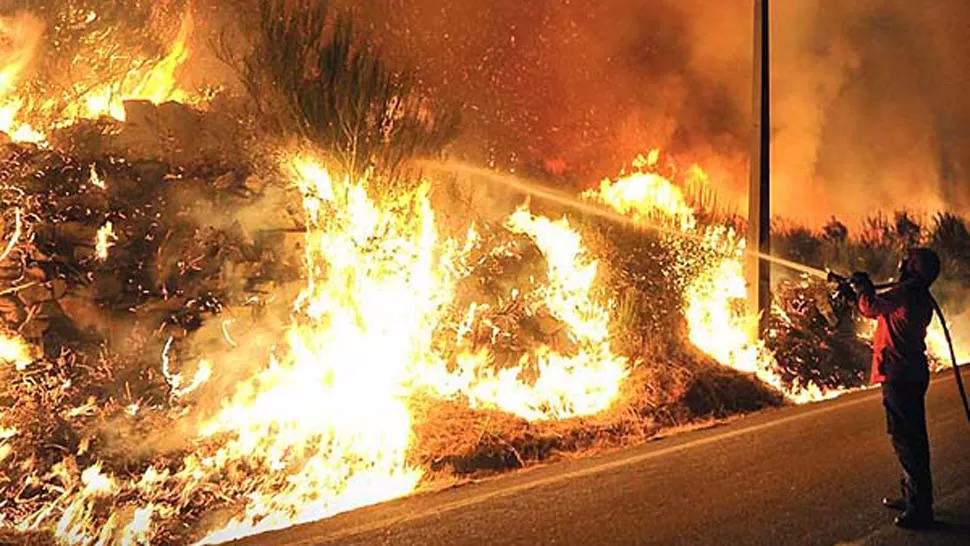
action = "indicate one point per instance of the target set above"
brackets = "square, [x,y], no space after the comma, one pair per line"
[843,290]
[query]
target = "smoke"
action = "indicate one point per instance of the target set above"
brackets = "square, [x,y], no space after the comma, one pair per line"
[871,84]
[868,100]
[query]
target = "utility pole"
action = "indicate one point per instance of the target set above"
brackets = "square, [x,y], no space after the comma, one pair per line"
[759,189]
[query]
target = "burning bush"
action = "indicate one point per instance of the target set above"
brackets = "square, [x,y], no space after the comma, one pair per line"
[510,318]
[816,341]
[94,55]
[310,74]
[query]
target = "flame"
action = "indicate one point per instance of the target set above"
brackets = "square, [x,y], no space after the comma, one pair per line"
[16,130]
[96,179]
[20,37]
[937,346]
[362,330]
[13,349]
[15,237]
[325,423]
[362,345]
[104,240]
[644,195]
[147,81]
[583,383]
[16,351]
[156,85]
[717,290]
[174,380]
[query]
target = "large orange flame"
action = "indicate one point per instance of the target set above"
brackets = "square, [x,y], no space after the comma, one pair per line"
[326,426]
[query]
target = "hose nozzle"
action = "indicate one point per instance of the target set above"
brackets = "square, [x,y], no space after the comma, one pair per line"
[832,276]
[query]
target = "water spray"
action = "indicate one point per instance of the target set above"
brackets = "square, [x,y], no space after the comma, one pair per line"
[528,187]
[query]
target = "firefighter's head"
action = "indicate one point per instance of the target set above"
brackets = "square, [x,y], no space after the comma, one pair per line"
[920,265]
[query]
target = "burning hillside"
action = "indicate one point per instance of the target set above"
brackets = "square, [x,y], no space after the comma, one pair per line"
[205,338]
[391,313]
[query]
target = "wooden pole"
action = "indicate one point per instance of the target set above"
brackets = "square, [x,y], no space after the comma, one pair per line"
[759,192]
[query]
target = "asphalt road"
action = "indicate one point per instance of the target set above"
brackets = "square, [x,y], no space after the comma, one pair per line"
[791,476]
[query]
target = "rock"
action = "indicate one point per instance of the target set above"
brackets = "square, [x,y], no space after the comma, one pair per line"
[83,253]
[35,274]
[84,314]
[139,113]
[254,184]
[34,295]
[293,244]
[179,134]
[86,137]
[107,287]
[58,288]
[94,199]
[150,171]
[10,272]
[34,328]
[224,181]
[76,233]
[12,311]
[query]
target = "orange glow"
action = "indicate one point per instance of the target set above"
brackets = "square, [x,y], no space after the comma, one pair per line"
[155,84]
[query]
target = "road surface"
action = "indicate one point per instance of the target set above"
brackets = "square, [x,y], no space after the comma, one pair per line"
[791,476]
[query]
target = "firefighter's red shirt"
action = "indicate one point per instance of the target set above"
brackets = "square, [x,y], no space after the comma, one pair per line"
[899,345]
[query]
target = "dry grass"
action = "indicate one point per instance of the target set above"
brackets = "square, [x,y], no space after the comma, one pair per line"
[455,442]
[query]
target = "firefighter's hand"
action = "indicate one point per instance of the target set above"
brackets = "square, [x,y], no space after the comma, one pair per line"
[862,284]
[844,294]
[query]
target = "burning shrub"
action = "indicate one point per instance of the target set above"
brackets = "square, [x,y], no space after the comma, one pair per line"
[101,302]
[814,340]
[512,320]
[877,249]
[309,72]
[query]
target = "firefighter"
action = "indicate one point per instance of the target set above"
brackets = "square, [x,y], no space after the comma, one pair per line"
[899,363]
